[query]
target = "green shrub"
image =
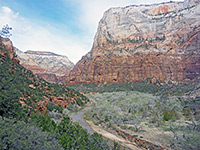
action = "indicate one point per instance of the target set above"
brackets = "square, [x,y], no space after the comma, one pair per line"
[73,136]
[52,106]
[18,135]
[167,116]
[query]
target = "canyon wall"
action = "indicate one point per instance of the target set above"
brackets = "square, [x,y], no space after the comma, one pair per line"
[49,66]
[159,41]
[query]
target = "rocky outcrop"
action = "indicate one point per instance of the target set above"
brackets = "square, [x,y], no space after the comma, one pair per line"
[49,66]
[159,41]
[7,50]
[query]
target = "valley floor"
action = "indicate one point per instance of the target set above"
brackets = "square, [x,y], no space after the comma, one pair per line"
[91,128]
[141,121]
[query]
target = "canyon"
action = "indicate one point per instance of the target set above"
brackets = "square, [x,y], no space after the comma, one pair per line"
[156,44]
[133,43]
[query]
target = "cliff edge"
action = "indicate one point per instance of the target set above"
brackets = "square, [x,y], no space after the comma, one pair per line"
[159,41]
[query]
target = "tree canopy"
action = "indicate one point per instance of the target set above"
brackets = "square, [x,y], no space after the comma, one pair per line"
[5,31]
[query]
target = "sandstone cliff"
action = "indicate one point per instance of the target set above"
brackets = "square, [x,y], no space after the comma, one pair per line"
[159,41]
[49,66]
[7,50]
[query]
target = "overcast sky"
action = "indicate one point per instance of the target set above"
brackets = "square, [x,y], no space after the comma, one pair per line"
[65,27]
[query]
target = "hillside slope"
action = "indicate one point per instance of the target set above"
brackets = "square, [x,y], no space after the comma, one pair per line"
[33,112]
[133,43]
[19,85]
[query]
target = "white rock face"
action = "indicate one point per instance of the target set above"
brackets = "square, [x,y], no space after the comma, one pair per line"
[52,63]
[133,43]
[146,22]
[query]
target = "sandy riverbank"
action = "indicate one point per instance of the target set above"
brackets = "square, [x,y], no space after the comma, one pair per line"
[112,137]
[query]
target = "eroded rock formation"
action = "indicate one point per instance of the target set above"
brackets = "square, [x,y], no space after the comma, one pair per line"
[49,66]
[160,41]
[7,50]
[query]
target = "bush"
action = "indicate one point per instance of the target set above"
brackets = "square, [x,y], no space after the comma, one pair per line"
[52,106]
[19,135]
[73,136]
[167,116]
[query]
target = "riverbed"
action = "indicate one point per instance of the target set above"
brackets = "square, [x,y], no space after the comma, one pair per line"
[78,117]
[91,128]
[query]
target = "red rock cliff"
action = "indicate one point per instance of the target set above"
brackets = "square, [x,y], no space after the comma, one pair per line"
[160,41]
[7,49]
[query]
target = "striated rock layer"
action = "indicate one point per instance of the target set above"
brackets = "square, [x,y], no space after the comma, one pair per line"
[49,66]
[160,41]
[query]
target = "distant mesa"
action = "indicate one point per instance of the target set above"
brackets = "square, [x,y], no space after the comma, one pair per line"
[133,43]
[41,53]
[50,66]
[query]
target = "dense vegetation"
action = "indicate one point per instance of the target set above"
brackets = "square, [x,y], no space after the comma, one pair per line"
[148,116]
[40,132]
[163,89]
[20,135]
[26,127]
[18,83]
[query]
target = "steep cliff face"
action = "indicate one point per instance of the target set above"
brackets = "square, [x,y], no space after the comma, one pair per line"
[159,41]
[47,65]
[7,50]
